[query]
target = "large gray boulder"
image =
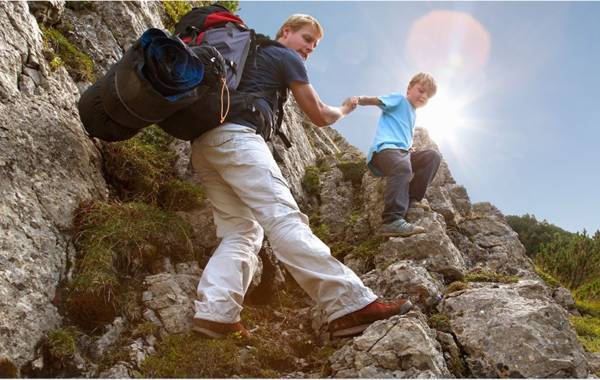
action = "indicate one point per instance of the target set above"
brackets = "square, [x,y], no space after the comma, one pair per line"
[399,347]
[514,330]
[433,249]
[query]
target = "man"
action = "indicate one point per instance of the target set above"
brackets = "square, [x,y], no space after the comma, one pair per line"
[251,198]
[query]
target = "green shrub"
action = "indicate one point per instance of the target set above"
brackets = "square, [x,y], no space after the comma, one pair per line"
[533,233]
[589,291]
[573,260]
[78,64]
[174,9]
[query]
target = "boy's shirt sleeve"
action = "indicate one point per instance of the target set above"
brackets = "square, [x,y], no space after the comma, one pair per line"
[391,101]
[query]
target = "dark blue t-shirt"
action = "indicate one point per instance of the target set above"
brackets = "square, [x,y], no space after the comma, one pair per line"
[276,67]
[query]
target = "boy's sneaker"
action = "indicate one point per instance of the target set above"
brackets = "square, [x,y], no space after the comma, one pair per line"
[357,322]
[399,227]
[217,329]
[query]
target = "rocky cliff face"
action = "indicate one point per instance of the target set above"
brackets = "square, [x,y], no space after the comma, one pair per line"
[482,310]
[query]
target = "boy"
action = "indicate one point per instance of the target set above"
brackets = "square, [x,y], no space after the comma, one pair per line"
[251,199]
[408,174]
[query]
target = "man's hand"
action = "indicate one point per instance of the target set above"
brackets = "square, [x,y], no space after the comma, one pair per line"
[349,105]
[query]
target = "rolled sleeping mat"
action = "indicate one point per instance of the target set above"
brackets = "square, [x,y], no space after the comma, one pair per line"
[96,121]
[130,97]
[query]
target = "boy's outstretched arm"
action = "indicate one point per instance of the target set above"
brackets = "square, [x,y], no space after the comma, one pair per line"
[318,112]
[369,101]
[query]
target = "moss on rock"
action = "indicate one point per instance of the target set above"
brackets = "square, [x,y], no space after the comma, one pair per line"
[488,276]
[78,64]
[311,182]
[440,322]
[456,286]
[353,171]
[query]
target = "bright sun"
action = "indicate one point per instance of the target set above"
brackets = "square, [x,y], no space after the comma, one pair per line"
[442,117]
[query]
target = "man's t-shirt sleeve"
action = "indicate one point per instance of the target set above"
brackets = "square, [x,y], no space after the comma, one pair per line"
[293,68]
[389,102]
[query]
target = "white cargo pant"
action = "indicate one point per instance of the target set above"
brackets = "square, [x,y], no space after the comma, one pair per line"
[248,194]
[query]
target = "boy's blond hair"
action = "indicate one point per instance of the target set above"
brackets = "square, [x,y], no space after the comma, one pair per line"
[426,80]
[297,21]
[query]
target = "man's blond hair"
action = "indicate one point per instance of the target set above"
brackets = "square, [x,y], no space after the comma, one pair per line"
[426,80]
[297,21]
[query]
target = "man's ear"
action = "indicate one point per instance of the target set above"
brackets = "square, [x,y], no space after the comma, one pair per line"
[285,31]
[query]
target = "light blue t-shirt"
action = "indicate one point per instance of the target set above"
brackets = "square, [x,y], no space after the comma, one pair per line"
[396,125]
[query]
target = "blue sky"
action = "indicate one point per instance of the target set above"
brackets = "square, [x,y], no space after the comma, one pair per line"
[517,114]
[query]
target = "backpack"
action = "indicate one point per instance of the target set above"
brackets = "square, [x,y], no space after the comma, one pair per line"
[217,27]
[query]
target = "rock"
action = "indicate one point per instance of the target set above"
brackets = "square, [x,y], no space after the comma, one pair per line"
[593,359]
[432,250]
[47,167]
[336,195]
[492,245]
[401,347]
[564,298]
[47,12]
[118,371]
[170,301]
[452,354]
[514,330]
[405,279]
[113,332]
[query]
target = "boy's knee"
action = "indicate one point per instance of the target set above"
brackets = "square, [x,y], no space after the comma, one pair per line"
[434,157]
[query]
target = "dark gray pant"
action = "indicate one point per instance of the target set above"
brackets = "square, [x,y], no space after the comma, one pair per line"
[408,175]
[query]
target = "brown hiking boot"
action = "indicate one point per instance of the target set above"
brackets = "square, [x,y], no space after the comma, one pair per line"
[217,329]
[357,322]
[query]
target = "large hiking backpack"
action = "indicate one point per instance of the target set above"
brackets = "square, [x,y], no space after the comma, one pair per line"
[158,76]
[216,26]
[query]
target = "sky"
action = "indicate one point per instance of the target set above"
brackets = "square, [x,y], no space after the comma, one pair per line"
[517,113]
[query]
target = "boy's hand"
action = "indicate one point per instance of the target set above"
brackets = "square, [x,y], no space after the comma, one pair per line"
[349,105]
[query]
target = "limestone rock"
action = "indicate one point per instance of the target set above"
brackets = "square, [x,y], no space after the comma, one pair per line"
[400,347]
[47,166]
[405,279]
[514,330]
[492,244]
[433,250]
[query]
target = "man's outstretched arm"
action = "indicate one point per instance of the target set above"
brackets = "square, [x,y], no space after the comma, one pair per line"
[318,112]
